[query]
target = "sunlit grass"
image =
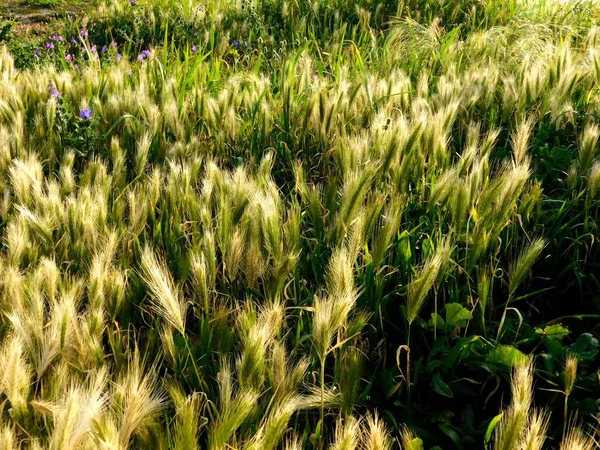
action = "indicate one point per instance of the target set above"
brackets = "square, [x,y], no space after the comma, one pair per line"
[301,225]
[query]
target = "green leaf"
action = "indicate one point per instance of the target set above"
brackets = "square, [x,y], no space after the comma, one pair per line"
[427,247]
[440,386]
[457,315]
[491,427]
[553,332]
[586,346]
[414,444]
[507,355]
[438,321]
[449,431]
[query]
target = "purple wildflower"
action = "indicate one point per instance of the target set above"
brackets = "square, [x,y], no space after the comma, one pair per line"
[75,66]
[114,44]
[49,45]
[133,2]
[93,49]
[104,48]
[119,57]
[195,48]
[236,44]
[73,40]
[246,43]
[86,114]
[69,58]
[83,32]
[54,92]
[37,52]
[146,52]
[57,37]
[141,57]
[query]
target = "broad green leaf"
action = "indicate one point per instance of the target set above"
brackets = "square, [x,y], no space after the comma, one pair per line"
[427,247]
[457,315]
[491,427]
[440,386]
[404,247]
[586,346]
[507,355]
[437,320]
[414,444]
[554,332]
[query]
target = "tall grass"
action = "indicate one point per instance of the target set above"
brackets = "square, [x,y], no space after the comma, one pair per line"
[265,213]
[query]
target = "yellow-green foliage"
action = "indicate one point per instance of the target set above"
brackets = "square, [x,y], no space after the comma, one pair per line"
[239,242]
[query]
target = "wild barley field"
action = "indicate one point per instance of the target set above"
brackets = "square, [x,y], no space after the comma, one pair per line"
[292,224]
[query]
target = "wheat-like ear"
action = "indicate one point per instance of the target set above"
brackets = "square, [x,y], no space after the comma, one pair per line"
[587,148]
[520,140]
[74,417]
[423,281]
[521,267]
[350,374]
[165,296]
[230,417]
[273,425]
[187,419]
[535,434]
[8,439]
[293,443]
[347,434]
[15,375]
[377,436]
[140,397]
[577,439]
[331,313]
[515,418]
[593,180]
[570,373]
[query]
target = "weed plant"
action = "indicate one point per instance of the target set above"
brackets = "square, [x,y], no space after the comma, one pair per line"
[301,225]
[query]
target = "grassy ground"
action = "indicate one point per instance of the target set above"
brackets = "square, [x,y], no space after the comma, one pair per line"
[290,225]
[31,11]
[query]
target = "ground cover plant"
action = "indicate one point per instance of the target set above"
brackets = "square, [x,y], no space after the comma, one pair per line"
[301,225]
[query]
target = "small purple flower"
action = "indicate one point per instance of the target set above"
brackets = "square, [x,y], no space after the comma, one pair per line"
[195,48]
[93,49]
[236,44]
[133,2]
[57,37]
[86,114]
[104,48]
[75,66]
[114,44]
[146,53]
[119,57]
[73,40]
[69,58]
[54,92]
[83,32]
[49,45]
[37,52]
[141,57]
[246,43]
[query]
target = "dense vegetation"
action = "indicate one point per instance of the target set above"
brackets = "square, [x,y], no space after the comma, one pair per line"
[299,224]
